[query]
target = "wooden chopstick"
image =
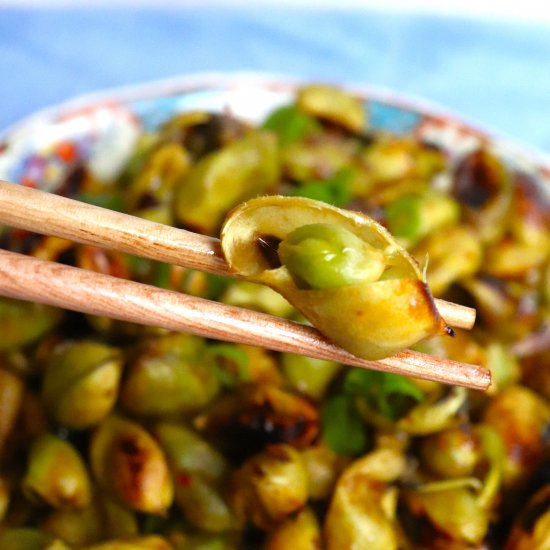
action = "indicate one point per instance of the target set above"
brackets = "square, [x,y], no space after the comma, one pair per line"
[28,278]
[50,214]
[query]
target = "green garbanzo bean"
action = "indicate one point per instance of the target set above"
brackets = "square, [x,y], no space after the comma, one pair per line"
[328,256]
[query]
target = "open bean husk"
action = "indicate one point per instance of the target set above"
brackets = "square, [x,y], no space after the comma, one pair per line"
[382,317]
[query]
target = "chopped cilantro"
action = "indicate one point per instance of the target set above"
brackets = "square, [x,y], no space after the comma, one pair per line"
[390,394]
[343,429]
[216,285]
[111,200]
[162,275]
[291,124]
[335,190]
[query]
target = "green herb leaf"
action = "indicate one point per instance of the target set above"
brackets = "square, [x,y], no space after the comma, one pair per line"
[141,268]
[162,275]
[335,190]
[390,394]
[291,124]
[343,429]
[216,285]
[111,200]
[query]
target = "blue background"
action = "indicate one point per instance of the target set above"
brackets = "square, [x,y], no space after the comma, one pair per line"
[496,73]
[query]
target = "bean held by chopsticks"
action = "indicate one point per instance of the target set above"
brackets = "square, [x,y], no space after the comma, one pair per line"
[92,225]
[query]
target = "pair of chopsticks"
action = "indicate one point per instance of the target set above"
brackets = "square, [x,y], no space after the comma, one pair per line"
[67,287]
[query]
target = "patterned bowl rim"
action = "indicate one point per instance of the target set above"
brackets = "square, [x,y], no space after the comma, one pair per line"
[149,90]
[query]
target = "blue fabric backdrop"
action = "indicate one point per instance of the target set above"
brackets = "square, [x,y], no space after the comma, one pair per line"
[496,73]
